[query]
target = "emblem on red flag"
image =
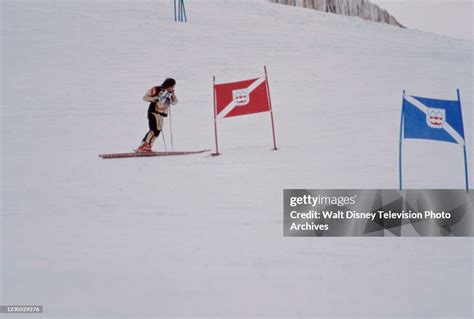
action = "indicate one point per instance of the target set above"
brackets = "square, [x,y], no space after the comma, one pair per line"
[241,97]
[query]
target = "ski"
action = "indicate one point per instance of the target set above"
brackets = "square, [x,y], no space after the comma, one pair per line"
[149,154]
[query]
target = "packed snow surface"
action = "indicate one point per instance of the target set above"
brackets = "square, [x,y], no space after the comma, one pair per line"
[200,235]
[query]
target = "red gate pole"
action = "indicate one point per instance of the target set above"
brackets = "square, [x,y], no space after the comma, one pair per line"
[215,116]
[271,109]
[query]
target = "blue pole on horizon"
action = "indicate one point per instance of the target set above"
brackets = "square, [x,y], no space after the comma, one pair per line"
[180,14]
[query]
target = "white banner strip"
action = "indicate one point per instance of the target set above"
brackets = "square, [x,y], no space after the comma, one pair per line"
[423,108]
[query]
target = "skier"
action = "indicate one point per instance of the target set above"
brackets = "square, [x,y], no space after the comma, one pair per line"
[160,98]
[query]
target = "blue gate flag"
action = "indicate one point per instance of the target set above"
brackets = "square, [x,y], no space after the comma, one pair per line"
[431,119]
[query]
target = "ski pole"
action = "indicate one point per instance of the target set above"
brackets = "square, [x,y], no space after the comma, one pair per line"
[171,132]
[164,140]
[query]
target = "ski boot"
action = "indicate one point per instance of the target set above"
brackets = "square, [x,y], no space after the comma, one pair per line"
[144,148]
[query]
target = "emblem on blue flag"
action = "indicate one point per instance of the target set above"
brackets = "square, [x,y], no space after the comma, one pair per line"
[435,118]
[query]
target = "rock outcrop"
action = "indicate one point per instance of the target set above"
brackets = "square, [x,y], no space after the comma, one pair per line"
[354,8]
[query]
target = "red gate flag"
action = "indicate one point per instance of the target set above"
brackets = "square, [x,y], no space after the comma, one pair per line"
[241,98]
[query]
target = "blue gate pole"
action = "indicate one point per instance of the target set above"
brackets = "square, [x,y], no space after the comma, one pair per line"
[174,10]
[465,168]
[466,175]
[184,12]
[400,144]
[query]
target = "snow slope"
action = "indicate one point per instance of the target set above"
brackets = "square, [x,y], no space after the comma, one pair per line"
[202,236]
